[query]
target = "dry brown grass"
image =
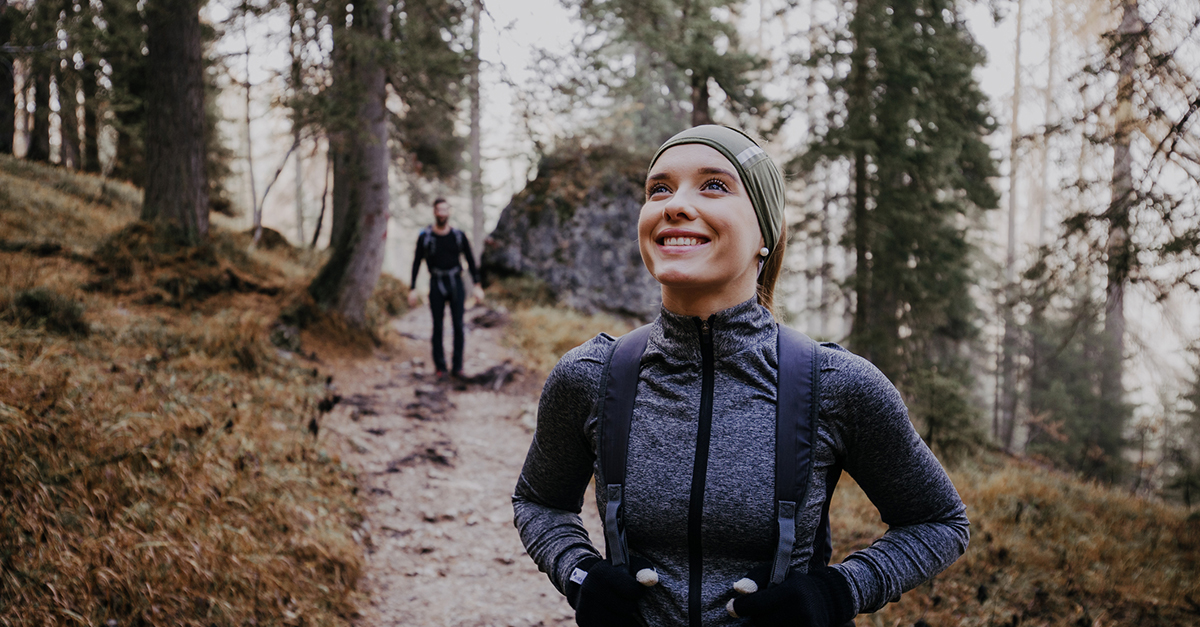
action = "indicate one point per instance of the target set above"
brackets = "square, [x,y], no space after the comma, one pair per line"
[158,469]
[1047,549]
[41,203]
[543,334]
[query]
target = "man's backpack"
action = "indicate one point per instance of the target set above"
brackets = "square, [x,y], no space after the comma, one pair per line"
[430,242]
[795,435]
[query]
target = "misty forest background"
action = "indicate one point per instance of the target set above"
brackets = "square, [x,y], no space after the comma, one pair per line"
[1025,268]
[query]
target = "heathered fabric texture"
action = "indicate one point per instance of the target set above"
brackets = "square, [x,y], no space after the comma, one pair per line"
[863,424]
[759,174]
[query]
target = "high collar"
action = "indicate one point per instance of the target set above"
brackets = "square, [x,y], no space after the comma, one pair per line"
[733,330]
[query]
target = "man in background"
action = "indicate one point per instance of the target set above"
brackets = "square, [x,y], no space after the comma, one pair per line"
[441,245]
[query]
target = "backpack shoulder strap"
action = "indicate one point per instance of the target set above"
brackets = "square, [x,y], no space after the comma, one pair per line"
[458,239]
[795,432]
[427,240]
[616,415]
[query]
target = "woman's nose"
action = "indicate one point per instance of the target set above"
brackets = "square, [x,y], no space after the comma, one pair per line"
[679,208]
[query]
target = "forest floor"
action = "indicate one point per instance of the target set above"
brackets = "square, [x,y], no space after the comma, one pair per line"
[439,460]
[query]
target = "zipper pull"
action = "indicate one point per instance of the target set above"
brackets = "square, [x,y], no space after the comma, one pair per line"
[704,328]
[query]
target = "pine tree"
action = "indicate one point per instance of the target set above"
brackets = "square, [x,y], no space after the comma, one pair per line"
[1147,218]
[359,144]
[680,49]
[401,45]
[913,129]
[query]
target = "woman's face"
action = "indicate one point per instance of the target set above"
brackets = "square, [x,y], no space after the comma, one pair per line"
[698,233]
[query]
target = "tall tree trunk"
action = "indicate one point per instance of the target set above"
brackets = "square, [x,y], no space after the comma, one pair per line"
[346,282]
[128,158]
[297,123]
[701,113]
[91,120]
[476,157]
[1118,249]
[859,120]
[68,112]
[337,155]
[8,85]
[176,182]
[1003,431]
[39,136]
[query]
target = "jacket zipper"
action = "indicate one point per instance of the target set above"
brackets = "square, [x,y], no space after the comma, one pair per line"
[699,476]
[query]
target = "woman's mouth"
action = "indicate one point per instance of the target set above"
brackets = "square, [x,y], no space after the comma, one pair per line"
[680,239]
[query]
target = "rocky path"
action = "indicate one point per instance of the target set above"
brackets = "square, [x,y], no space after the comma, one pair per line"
[439,461]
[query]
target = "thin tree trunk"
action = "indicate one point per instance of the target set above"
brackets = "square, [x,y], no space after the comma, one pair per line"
[39,136]
[255,208]
[826,270]
[324,195]
[859,119]
[8,85]
[476,157]
[91,123]
[1051,119]
[176,182]
[1008,392]
[347,281]
[1118,248]
[339,146]
[701,113]
[299,187]
[295,50]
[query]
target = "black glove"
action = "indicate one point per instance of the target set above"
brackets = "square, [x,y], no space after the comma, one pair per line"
[608,595]
[817,599]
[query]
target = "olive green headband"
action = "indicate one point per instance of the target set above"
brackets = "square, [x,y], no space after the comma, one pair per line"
[759,175]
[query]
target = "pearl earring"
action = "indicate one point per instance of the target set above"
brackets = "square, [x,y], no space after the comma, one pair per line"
[764,251]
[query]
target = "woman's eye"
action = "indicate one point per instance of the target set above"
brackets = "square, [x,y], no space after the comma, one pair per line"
[714,184]
[657,189]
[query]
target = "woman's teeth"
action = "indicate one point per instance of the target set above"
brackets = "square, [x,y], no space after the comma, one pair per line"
[681,241]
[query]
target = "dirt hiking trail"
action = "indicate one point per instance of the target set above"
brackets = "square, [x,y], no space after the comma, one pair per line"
[439,460]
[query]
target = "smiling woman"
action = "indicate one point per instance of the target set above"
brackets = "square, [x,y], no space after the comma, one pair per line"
[699,232]
[716,436]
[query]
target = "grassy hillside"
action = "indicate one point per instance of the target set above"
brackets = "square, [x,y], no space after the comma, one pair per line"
[156,460]
[1046,548]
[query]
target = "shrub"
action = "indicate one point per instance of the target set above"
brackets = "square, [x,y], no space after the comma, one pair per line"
[46,309]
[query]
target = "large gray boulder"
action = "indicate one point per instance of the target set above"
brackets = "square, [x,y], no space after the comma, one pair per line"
[574,227]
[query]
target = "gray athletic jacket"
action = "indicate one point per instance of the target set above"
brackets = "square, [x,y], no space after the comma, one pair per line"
[863,427]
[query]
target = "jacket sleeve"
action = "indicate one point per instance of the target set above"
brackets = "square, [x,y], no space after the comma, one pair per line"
[470,260]
[927,523]
[420,255]
[550,490]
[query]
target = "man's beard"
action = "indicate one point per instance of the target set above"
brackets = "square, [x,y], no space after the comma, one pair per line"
[441,221]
